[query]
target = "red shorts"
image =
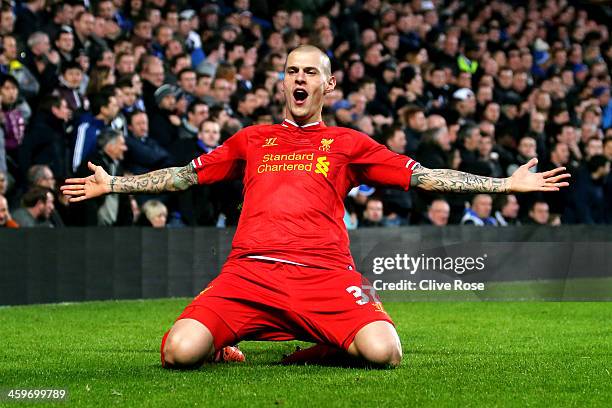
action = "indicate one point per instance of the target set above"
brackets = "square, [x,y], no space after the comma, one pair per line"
[259,300]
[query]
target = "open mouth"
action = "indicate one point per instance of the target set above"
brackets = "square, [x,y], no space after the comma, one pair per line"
[300,96]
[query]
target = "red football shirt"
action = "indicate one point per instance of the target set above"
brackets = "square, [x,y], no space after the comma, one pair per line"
[295,180]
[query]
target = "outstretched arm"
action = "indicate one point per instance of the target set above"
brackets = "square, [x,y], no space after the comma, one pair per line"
[100,183]
[522,181]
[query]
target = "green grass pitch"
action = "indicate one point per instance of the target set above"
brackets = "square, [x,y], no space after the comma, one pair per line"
[455,354]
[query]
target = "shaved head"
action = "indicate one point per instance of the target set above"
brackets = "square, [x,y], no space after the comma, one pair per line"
[325,62]
[307,80]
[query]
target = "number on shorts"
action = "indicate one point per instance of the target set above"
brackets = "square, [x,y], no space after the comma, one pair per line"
[362,298]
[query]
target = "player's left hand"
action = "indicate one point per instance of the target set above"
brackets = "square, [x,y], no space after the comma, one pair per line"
[524,181]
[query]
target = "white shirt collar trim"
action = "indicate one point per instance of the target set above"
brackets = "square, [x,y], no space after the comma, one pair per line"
[296,125]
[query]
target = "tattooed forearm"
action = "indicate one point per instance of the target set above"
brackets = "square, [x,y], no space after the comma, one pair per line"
[447,180]
[169,179]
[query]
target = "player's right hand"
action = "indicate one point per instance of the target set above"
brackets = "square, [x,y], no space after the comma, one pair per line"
[79,189]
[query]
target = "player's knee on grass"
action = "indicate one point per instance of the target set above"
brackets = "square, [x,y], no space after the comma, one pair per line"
[379,344]
[188,345]
[382,354]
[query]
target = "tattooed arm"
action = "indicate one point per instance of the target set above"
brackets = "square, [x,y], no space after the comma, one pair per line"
[522,181]
[169,179]
[100,183]
[448,180]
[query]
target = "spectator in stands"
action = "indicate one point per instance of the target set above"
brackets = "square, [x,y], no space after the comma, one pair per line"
[414,87]
[154,214]
[554,88]
[42,61]
[142,34]
[536,130]
[125,64]
[484,95]
[7,20]
[209,136]
[30,18]
[434,149]
[395,139]
[398,203]
[40,175]
[45,140]
[438,213]
[373,214]
[84,39]
[178,63]
[356,200]
[567,134]
[206,204]
[37,207]
[491,112]
[6,221]
[188,21]
[438,89]
[415,124]
[593,147]
[355,73]
[538,213]
[214,49]
[15,114]
[488,157]
[221,92]
[143,153]
[69,86]
[99,78]
[469,144]
[113,209]
[197,112]
[464,103]
[203,86]
[11,64]
[163,34]
[64,44]
[479,214]
[165,122]
[104,109]
[246,75]
[152,79]
[526,152]
[129,99]
[246,103]
[186,81]
[447,57]
[587,132]
[559,157]
[507,210]
[503,87]
[588,205]
[436,121]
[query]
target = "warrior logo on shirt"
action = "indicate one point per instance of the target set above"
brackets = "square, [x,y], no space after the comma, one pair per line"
[322,166]
[271,141]
[326,144]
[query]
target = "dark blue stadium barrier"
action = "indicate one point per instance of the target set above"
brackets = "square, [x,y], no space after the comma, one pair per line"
[76,264]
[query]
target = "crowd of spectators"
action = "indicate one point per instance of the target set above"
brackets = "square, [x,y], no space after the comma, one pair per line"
[138,85]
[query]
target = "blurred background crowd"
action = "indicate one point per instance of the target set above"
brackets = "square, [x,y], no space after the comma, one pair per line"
[138,85]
